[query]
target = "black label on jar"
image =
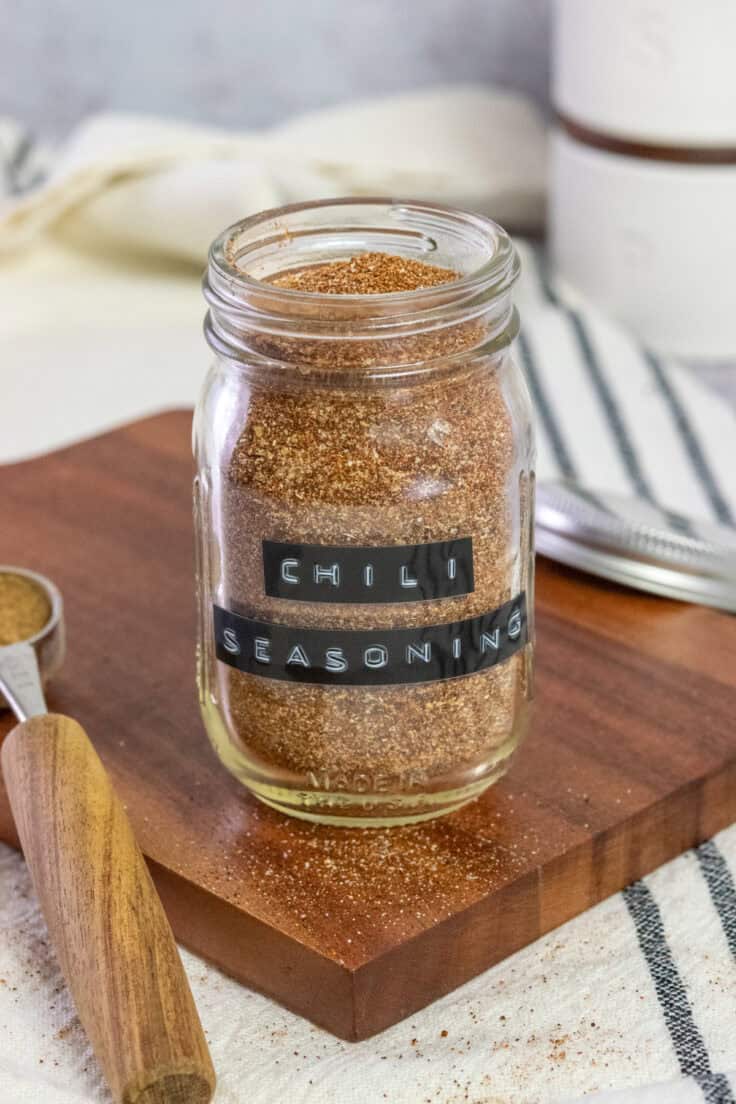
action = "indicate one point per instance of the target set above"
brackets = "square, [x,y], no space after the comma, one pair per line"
[371,657]
[392,573]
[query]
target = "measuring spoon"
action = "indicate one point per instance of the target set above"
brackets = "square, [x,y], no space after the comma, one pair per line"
[106,922]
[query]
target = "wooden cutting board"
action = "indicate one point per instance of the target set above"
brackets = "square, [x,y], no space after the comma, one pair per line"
[631,758]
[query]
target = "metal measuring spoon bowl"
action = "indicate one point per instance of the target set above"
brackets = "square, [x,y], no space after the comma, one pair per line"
[49,643]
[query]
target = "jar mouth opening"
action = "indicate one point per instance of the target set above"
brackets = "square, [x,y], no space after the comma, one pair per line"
[251,319]
[247,255]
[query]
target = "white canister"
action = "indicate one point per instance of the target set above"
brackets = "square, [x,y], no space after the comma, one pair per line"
[650,242]
[652,71]
[643,177]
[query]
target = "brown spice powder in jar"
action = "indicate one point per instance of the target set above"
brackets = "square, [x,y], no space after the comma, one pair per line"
[370,466]
[366,274]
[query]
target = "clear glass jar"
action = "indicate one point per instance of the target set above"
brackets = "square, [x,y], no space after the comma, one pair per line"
[364,504]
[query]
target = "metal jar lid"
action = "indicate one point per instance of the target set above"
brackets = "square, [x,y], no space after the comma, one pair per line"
[635,543]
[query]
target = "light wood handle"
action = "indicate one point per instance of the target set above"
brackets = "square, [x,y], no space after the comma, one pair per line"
[105,920]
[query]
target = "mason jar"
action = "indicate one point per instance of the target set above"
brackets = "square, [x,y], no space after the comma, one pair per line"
[363,506]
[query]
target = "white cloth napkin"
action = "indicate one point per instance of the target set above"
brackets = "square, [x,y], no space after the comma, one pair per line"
[132,181]
[100,322]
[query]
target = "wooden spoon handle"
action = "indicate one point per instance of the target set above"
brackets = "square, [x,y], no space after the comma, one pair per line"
[105,919]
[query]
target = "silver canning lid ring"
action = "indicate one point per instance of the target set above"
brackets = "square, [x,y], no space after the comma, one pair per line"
[637,545]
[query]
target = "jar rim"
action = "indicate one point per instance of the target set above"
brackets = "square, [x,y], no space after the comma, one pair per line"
[248,311]
[494,276]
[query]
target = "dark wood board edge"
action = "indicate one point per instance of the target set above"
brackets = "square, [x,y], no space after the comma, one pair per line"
[257,954]
[8,833]
[345,1002]
[502,924]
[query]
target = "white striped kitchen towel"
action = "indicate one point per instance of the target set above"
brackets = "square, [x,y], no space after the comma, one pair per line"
[24,162]
[614,416]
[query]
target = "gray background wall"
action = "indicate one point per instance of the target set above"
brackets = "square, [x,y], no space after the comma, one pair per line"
[243,63]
